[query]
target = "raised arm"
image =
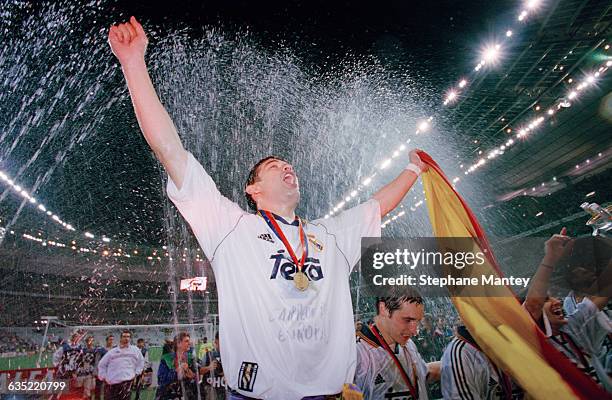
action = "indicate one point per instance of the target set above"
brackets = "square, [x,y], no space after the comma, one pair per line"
[392,194]
[128,42]
[554,249]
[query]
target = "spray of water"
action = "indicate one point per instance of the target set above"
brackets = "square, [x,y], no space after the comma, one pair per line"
[233,102]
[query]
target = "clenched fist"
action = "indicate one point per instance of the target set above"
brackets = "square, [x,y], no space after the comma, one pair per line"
[128,42]
[416,160]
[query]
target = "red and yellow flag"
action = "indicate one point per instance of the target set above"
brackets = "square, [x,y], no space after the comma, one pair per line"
[499,324]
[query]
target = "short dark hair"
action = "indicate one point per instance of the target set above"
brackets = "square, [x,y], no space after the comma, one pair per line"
[140,340]
[394,303]
[110,336]
[126,331]
[252,178]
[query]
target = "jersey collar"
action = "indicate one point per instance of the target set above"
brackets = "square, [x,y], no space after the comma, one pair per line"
[296,221]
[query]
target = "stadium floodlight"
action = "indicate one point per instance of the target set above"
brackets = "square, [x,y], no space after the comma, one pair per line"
[491,54]
[423,126]
[532,4]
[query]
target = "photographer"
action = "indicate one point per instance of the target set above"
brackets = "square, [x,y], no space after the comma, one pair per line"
[213,379]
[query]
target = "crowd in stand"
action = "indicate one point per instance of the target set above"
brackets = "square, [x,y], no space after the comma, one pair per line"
[12,343]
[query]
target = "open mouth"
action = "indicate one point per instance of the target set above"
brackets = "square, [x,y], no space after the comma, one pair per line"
[558,311]
[289,178]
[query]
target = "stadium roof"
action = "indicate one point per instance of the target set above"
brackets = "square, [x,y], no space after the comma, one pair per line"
[71,144]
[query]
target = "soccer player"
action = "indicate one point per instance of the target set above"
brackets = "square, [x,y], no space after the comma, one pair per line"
[389,365]
[85,373]
[467,373]
[573,335]
[285,311]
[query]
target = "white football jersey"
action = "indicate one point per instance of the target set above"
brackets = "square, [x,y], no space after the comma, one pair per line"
[278,342]
[466,373]
[588,334]
[377,375]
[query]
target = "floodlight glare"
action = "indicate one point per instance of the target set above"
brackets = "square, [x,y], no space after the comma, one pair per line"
[531,4]
[423,126]
[491,54]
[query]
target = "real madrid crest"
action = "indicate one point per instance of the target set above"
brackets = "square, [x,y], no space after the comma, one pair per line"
[313,240]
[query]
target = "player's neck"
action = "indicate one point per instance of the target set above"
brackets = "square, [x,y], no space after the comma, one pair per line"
[380,324]
[286,211]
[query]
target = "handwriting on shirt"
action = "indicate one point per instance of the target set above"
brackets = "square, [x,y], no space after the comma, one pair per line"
[300,323]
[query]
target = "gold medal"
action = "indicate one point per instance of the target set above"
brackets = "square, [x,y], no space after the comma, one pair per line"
[301,281]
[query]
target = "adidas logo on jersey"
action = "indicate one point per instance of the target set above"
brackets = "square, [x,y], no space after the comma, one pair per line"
[267,237]
[379,379]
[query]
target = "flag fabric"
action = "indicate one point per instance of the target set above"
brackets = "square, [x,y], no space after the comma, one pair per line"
[498,322]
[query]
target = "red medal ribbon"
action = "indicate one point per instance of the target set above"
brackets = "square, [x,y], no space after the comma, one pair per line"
[414,391]
[271,221]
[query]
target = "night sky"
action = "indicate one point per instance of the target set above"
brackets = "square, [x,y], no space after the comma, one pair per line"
[436,38]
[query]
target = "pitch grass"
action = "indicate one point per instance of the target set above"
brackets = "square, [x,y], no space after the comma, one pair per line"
[26,362]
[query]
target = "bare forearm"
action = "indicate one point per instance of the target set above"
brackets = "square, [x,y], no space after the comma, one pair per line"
[433,371]
[392,194]
[155,123]
[536,295]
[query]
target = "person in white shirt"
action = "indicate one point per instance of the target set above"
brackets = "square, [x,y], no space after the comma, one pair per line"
[119,367]
[285,311]
[467,372]
[389,365]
